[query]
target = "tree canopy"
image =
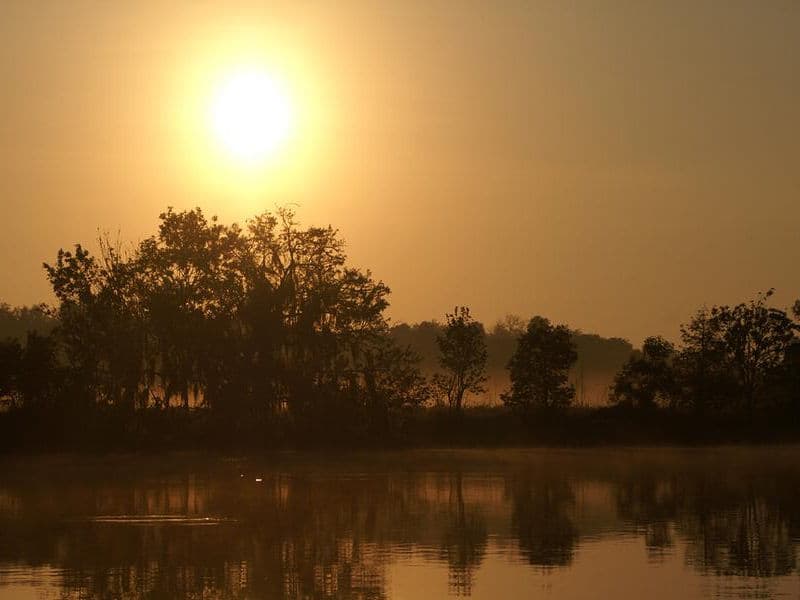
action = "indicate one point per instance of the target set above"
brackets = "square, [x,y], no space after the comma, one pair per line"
[539,368]
[462,347]
[250,322]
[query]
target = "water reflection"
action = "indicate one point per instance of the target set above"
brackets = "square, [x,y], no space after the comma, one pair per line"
[338,528]
[464,538]
[540,518]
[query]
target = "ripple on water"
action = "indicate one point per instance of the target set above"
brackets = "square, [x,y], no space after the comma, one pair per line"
[159,520]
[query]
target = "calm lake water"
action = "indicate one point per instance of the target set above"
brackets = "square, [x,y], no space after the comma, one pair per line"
[505,524]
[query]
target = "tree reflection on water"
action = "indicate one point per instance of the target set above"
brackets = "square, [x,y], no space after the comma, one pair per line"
[333,530]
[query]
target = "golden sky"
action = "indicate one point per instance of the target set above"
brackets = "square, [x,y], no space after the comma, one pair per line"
[610,164]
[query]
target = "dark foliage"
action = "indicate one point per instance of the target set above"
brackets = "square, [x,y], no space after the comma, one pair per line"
[255,330]
[462,348]
[733,360]
[539,368]
[207,335]
[648,378]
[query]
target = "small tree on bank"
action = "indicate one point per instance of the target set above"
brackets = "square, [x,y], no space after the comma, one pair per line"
[540,366]
[647,378]
[462,348]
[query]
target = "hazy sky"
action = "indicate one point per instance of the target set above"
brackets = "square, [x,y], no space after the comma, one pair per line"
[612,165]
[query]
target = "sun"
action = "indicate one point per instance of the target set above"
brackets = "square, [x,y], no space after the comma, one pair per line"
[251,115]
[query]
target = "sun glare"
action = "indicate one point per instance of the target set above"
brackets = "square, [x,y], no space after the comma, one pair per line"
[251,115]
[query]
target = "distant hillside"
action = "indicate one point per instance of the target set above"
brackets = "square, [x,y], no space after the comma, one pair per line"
[599,358]
[16,322]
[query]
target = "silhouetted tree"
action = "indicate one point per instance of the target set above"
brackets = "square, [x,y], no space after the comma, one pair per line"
[190,289]
[84,314]
[323,320]
[100,324]
[704,381]
[755,338]
[462,348]
[648,377]
[539,368]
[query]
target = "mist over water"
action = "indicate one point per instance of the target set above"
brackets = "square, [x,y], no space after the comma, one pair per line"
[595,523]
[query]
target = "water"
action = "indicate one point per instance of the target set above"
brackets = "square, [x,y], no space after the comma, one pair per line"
[506,524]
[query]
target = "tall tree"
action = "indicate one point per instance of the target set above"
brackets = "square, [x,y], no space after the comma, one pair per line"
[755,338]
[704,382]
[539,368]
[462,356]
[190,288]
[88,323]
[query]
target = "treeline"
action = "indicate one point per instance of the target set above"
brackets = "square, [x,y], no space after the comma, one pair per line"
[599,358]
[731,359]
[264,335]
[261,326]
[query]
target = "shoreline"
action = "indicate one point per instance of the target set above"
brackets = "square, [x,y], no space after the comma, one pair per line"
[156,432]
